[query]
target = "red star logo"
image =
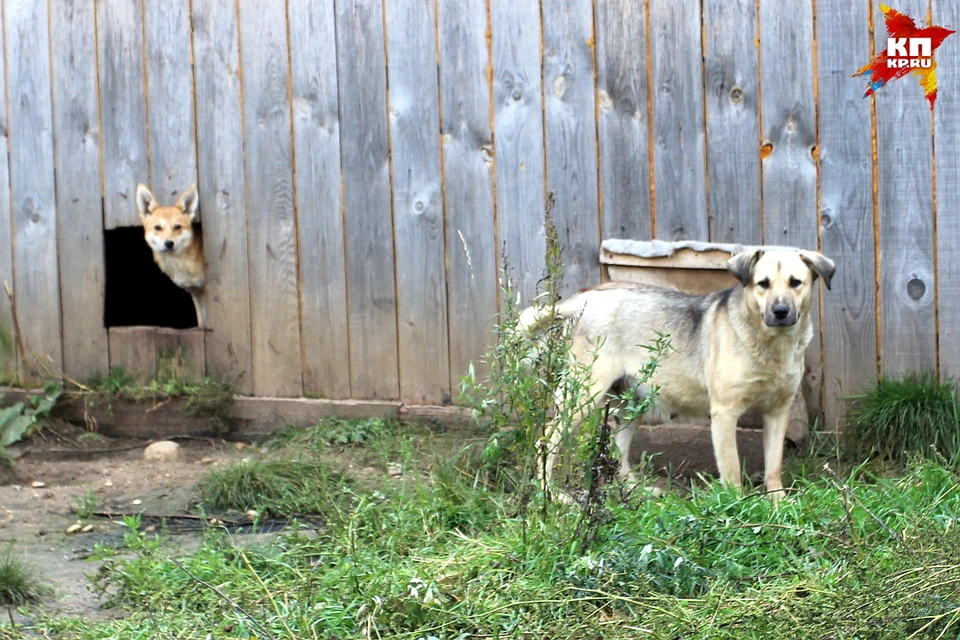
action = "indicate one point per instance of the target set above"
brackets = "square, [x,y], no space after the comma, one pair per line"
[886,67]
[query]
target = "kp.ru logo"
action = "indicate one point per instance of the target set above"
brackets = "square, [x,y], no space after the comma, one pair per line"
[909,51]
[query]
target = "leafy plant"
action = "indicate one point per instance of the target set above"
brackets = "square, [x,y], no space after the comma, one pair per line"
[23,418]
[914,414]
[86,505]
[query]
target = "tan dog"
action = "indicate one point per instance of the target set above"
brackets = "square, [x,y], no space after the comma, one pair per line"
[177,250]
[736,350]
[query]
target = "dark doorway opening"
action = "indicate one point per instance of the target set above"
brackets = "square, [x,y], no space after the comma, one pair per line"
[138,293]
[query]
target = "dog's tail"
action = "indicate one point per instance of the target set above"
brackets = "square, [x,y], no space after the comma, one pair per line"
[534,317]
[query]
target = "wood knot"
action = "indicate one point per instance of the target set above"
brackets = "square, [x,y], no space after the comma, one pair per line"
[916,288]
[766,150]
[736,94]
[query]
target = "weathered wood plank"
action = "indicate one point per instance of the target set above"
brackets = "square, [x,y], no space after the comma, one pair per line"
[905,157]
[417,203]
[173,149]
[947,140]
[789,126]
[123,115]
[623,119]
[518,122]
[846,205]
[366,192]
[271,222]
[76,129]
[678,131]
[222,197]
[571,137]
[180,354]
[134,349]
[316,135]
[468,182]
[9,361]
[32,186]
[732,98]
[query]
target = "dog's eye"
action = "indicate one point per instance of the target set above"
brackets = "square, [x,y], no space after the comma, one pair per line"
[794,283]
[156,228]
[177,227]
[764,284]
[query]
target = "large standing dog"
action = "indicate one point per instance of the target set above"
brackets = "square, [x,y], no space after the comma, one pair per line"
[736,350]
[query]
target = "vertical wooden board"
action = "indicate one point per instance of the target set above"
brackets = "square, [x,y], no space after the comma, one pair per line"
[79,206]
[271,222]
[8,352]
[678,130]
[947,145]
[518,122]
[905,157]
[468,182]
[32,188]
[789,124]
[123,115]
[222,197]
[789,127]
[417,202]
[846,205]
[180,354]
[316,132]
[623,119]
[732,100]
[366,192]
[134,349]
[173,149]
[571,135]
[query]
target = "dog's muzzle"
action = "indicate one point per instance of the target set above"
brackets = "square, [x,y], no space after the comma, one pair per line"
[780,315]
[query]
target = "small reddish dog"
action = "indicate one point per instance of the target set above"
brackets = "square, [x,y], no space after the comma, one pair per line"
[177,250]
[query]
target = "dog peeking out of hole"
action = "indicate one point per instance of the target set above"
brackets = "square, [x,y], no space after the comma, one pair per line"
[177,248]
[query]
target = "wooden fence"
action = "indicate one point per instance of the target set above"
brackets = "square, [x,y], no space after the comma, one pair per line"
[362,162]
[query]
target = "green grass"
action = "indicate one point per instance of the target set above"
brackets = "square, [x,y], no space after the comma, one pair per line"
[277,487]
[446,557]
[917,414]
[19,583]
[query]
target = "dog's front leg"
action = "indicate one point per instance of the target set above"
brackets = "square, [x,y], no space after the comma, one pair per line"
[775,424]
[723,430]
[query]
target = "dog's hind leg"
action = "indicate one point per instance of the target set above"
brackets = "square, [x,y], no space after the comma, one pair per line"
[600,382]
[623,438]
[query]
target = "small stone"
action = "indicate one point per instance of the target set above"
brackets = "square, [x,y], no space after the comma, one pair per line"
[74,528]
[36,484]
[163,450]
[87,529]
[394,470]
[252,514]
[151,528]
[206,460]
[137,501]
[240,445]
[108,483]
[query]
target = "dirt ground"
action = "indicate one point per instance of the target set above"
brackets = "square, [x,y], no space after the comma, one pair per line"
[56,472]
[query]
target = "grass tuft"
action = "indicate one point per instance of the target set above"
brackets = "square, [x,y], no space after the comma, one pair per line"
[916,414]
[19,584]
[278,487]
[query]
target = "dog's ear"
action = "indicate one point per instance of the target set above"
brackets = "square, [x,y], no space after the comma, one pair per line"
[741,265]
[188,202]
[820,264]
[145,202]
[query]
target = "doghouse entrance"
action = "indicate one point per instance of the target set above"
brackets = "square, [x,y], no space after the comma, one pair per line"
[137,292]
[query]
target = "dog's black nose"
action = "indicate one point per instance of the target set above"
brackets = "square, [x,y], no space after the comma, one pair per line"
[169,245]
[780,311]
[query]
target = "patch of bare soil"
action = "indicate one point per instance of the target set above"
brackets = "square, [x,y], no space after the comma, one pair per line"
[63,469]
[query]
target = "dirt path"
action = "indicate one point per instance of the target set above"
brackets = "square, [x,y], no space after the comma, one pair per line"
[37,509]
